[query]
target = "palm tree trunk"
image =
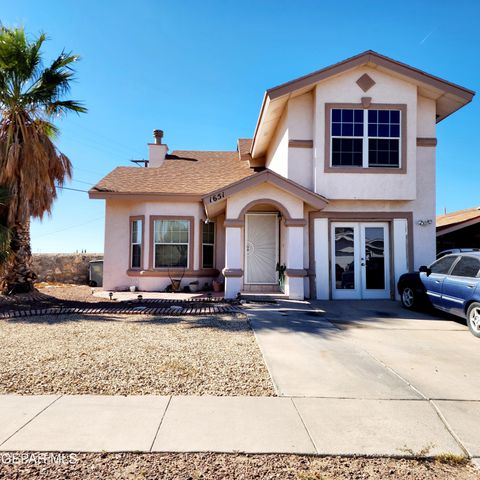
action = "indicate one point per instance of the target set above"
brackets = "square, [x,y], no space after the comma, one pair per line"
[18,276]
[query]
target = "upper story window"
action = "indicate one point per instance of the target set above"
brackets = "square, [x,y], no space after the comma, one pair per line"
[365,138]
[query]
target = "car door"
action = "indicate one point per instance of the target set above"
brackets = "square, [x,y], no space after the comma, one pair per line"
[433,282]
[460,284]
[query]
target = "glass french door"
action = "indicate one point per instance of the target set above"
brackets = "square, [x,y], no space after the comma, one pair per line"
[360,260]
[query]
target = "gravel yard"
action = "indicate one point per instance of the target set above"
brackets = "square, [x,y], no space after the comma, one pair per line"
[245,467]
[126,355]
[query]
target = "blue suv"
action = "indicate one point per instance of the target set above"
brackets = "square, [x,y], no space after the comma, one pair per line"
[451,284]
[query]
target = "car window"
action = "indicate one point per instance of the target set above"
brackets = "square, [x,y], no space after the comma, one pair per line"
[443,265]
[466,267]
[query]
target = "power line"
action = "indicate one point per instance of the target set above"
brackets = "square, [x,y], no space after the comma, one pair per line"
[69,228]
[72,189]
[83,181]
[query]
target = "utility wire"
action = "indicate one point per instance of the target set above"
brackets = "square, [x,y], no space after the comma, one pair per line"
[83,181]
[69,228]
[72,189]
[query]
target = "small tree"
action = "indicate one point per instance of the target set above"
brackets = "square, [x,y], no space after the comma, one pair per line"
[31,166]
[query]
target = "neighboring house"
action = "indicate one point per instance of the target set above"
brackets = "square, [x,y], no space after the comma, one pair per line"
[337,185]
[459,229]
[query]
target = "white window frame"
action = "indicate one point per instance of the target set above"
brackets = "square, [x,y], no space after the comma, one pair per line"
[139,241]
[365,138]
[209,244]
[170,243]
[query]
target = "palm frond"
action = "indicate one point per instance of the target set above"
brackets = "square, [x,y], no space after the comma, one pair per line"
[31,96]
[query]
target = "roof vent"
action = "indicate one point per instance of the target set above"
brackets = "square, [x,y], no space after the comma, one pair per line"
[158,135]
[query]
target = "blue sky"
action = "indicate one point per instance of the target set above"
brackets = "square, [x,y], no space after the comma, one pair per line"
[198,70]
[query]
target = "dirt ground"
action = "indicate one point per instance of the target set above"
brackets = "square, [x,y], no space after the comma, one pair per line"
[209,466]
[131,355]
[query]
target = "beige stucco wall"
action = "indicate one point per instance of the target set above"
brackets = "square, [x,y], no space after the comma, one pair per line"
[240,199]
[387,89]
[117,241]
[277,153]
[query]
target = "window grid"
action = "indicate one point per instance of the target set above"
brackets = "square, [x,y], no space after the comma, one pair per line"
[365,138]
[208,245]
[136,244]
[171,243]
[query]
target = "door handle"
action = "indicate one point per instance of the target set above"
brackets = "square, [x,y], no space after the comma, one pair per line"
[437,281]
[471,286]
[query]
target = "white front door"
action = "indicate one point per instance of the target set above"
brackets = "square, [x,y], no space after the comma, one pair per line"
[261,248]
[360,260]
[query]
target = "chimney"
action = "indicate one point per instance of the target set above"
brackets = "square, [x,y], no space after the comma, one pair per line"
[157,150]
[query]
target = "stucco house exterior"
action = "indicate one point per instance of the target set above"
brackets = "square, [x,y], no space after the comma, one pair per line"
[337,186]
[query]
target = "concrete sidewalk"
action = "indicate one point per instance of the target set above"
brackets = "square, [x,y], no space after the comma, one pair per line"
[86,423]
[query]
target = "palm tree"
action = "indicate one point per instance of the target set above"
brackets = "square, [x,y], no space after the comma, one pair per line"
[31,166]
[4,230]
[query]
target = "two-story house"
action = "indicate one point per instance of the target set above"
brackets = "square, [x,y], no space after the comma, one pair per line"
[337,186]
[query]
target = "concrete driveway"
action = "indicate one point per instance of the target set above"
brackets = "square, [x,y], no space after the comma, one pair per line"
[364,351]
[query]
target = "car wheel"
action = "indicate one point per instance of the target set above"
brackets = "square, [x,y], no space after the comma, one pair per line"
[409,297]
[473,318]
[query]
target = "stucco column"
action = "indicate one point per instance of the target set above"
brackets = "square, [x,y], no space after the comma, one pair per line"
[400,258]
[233,261]
[295,273]
[321,255]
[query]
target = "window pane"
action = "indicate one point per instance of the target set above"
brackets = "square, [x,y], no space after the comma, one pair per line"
[347,152]
[207,253]
[136,256]
[466,267]
[384,123]
[383,130]
[209,232]
[344,258]
[394,130]
[171,231]
[375,258]
[383,116]
[136,231]
[358,130]
[443,265]
[347,122]
[171,256]
[383,153]
[347,130]
[347,115]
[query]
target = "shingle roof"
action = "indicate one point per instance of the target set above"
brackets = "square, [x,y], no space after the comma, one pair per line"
[184,171]
[458,217]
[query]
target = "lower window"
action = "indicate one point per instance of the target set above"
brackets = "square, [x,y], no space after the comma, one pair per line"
[171,243]
[208,245]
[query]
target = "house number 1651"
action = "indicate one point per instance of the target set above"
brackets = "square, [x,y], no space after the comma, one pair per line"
[217,197]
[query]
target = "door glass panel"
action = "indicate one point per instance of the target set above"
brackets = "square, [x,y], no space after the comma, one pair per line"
[375,258]
[344,258]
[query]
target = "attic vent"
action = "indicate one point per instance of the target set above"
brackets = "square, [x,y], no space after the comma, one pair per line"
[365,82]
